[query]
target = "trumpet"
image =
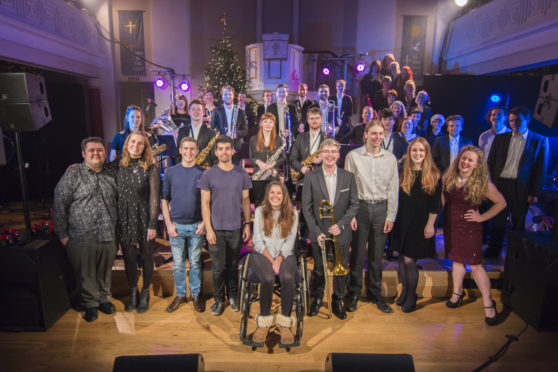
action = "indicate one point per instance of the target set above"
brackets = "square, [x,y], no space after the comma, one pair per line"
[325,210]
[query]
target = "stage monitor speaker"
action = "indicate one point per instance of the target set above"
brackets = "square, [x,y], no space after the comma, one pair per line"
[347,362]
[23,102]
[167,363]
[32,287]
[546,109]
[530,281]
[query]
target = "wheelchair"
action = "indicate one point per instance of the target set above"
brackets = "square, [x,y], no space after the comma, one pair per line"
[249,293]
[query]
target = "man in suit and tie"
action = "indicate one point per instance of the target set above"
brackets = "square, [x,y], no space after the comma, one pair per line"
[327,107]
[286,114]
[303,104]
[517,163]
[446,148]
[229,120]
[338,186]
[201,132]
[344,109]
[262,109]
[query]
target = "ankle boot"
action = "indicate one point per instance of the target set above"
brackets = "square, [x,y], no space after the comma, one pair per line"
[285,324]
[264,322]
[402,297]
[143,304]
[133,303]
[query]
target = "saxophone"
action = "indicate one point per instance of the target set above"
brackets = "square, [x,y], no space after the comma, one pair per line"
[202,156]
[295,175]
[262,175]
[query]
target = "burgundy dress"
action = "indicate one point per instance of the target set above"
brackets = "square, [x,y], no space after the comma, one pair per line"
[462,239]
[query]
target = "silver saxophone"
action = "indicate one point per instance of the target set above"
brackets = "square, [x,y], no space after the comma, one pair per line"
[262,175]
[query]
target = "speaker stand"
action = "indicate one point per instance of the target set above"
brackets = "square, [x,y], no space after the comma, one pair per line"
[23,184]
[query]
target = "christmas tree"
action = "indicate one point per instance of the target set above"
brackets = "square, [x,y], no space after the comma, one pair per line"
[223,68]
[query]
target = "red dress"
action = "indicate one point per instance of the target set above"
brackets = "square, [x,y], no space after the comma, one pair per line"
[462,239]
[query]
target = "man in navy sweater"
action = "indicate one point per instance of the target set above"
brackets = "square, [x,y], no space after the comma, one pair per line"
[184,222]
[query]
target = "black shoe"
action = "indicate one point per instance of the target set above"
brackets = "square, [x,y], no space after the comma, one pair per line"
[410,304]
[143,304]
[217,308]
[401,299]
[338,310]
[178,300]
[233,304]
[315,307]
[494,320]
[453,305]
[352,303]
[199,303]
[90,314]
[107,308]
[382,305]
[133,303]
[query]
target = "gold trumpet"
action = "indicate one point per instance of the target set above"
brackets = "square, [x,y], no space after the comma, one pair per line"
[325,209]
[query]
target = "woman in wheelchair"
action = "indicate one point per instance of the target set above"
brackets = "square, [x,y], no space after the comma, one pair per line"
[275,231]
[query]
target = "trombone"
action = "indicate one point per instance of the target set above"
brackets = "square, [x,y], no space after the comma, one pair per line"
[325,209]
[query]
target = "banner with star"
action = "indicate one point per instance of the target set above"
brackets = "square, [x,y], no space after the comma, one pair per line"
[131,35]
[413,43]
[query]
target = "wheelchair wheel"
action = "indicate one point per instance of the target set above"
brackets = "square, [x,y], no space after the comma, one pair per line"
[242,280]
[304,283]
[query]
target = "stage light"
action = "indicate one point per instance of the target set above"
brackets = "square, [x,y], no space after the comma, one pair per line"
[461,3]
[160,82]
[360,66]
[326,71]
[184,86]
[495,98]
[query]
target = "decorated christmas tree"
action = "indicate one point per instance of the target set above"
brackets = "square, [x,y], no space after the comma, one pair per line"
[223,67]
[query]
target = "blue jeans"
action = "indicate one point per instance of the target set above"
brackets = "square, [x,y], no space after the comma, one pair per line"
[195,243]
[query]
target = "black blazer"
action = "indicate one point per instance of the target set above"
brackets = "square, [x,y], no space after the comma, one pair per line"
[532,164]
[261,110]
[301,149]
[219,122]
[345,205]
[264,155]
[346,110]
[399,146]
[294,113]
[206,134]
[304,109]
[441,151]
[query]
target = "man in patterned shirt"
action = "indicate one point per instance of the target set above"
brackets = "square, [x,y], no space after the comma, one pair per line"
[85,221]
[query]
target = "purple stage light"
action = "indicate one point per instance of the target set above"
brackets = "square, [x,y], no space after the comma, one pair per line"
[160,83]
[361,66]
[184,86]
[326,71]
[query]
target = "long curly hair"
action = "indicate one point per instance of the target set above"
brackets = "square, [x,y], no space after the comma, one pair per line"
[260,145]
[146,159]
[286,215]
[478,182]
[430,174]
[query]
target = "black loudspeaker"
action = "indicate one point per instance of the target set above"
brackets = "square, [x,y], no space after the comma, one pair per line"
[23,102]
[530,282]
[167,363]
[346,362]
[546,110]
[32,287]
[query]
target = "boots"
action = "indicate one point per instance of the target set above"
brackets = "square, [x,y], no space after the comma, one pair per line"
[401,299]
[143,304]
[285,324]
[264,322]
[133,303]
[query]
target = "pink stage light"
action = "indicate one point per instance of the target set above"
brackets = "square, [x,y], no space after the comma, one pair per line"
[160,83]
[184,86]
[326,71]
[360,67]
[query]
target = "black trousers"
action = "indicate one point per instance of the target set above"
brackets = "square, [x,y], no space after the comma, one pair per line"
[370,220]
[264,270]
[318,279]
[92,263]
[224,262]
[131,263]
[516,206]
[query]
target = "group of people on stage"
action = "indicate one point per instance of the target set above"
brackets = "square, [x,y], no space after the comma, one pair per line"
[393,186]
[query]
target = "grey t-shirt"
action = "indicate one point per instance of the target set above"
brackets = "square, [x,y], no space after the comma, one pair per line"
[226,195]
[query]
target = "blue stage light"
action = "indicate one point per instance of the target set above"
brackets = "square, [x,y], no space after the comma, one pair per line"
[495,98]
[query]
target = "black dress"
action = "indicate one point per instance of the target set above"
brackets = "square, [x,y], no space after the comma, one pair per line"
[138,201]
[412,216]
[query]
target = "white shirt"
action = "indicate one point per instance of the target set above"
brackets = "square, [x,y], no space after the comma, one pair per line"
[517,145]
[388,143]
[196,131]
[454,147]
[281,116]
[486,139]
[314,141]
[331,184]
[229,112]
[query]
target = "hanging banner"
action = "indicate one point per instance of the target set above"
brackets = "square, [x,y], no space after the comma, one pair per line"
[413,43]
[131,35]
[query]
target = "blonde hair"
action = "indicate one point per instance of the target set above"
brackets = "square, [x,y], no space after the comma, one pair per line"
[478,182]
[146,159]
[430,174]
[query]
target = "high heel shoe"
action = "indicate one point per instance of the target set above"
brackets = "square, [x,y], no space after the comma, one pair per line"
[401,299]
[493,320]
[453,305]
